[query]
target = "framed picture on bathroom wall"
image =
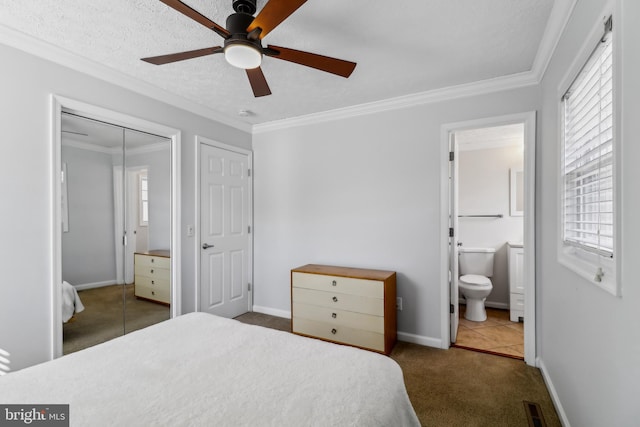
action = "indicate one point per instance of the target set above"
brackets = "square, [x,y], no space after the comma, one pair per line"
[516,185]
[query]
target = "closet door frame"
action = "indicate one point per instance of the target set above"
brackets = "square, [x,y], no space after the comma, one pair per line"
[58,103]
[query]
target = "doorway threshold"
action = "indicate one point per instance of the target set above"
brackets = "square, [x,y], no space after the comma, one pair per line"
[495,353]
[496,335]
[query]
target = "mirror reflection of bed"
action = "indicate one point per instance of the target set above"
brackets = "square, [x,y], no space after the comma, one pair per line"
[115,203]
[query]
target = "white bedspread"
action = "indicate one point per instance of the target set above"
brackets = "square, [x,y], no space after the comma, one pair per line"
[203,370]
[71,303]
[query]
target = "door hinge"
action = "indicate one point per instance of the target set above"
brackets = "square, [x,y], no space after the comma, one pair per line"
[451,232]
[249,229]
[451,156]
[249,287]
[451,308]
[248,172]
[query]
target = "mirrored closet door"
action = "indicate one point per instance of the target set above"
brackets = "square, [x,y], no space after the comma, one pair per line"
[116,230]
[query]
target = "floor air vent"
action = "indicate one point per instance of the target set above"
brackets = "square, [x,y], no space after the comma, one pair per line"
[534,414]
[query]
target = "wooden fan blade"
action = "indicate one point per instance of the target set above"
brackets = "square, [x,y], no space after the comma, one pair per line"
[336,66]
[258,82]
[181,56]
[273,13]
[197,16]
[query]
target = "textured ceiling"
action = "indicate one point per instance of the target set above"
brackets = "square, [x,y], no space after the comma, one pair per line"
[402,47]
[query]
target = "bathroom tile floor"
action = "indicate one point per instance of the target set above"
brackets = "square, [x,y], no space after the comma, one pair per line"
[496,335]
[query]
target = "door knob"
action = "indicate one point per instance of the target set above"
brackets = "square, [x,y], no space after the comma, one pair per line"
[206,246]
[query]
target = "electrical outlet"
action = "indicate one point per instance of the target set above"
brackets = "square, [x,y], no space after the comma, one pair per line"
[399,303]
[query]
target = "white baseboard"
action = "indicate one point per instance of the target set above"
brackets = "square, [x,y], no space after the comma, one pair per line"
[500,305]
[84,286]
[402,336]
[490,304]
[420,339]
[272,311]
[554,395]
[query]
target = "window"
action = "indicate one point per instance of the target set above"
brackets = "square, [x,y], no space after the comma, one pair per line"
[588,193]
[143,187]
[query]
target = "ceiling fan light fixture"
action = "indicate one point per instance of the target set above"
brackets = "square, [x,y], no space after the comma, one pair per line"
[243,56]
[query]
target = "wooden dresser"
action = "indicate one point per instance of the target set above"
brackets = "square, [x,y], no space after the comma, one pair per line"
[350,306]
[153,276]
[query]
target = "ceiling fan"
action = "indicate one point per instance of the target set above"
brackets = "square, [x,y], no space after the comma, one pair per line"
[243,41]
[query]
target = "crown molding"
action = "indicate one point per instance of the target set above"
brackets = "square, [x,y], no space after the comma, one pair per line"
[482,87]
[558,18]
[42,49]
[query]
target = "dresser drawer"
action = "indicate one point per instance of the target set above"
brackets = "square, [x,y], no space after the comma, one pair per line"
[344,285]
[338,317]
[153,282]
[153,292]
[153,261]
[358,304]
[339,333]
[347,305]
[152,271]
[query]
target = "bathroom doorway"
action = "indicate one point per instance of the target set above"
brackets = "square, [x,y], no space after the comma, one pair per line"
[491,211]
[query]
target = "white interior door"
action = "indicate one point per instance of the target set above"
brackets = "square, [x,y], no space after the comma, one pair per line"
[453,239]
[224,231]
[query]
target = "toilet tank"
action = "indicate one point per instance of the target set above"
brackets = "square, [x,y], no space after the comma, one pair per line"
[476,261]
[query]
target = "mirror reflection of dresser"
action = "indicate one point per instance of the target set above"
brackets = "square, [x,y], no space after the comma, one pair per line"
[153,275]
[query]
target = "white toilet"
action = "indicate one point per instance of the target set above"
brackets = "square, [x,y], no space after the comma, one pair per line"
[476,266]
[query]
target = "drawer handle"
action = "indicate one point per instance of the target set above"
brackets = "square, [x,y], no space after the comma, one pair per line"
[152,271]
[334,283]
[335,299]
[334,331]
[334,315]
[153,260]
[153,282]
[153,292]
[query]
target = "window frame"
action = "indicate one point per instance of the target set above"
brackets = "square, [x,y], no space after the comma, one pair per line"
[143,176]
[585,263]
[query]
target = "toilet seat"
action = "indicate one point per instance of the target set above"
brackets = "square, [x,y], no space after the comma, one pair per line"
[475,280]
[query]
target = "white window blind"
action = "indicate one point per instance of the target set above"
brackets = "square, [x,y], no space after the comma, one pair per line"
[588,205]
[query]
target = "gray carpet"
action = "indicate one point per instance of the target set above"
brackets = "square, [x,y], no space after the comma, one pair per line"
[104,318]
[457,387]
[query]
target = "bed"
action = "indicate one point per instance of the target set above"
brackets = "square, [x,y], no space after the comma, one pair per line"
[203,370]
[71,303]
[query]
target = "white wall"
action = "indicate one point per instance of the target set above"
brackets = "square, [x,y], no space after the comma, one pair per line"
[363,192]
[88,248]
[483,189]
[25,171]
[589,340]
